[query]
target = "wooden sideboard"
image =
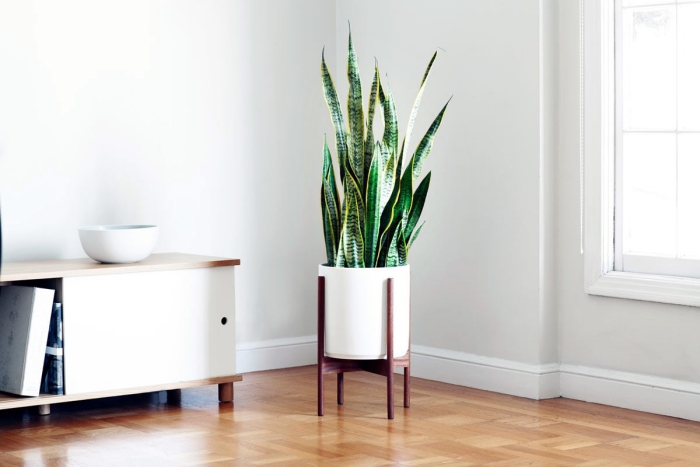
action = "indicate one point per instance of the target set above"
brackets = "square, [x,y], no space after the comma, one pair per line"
[165,323]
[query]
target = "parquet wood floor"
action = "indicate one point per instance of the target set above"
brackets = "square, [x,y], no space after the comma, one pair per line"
[274,423]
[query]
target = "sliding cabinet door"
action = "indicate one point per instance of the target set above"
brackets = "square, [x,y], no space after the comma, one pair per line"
[135,330]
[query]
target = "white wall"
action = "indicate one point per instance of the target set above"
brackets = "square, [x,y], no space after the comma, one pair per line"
[202,117]
[623,335]
[478,268]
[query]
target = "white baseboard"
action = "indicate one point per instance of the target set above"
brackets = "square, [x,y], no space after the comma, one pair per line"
[449,366]
[627,390]
[276,353]
[631,391]
[490,374]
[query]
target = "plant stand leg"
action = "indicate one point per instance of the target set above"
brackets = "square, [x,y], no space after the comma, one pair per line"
[407,386]
[321,338]
[225,392]
[341,389]
[390,348]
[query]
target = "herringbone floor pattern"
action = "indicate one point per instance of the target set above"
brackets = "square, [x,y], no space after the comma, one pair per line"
[274,423]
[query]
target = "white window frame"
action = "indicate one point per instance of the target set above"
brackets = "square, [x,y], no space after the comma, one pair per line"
[600,277]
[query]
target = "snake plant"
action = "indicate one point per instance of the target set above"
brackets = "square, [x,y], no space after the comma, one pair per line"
[374,225]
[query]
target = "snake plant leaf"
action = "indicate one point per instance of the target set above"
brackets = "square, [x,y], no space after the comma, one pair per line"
[426,143]
[392,259]
[333,215]
[417,205]
[373,210]
[388,174]
[402,248]
[340,260]
[389,211]
[336,112]
[352,190]
[369,138]
[416,103]
[386,242]
[397,249]
[329,175]
[414,236]
[353,245]
[391,124]
[403,206]
[328,234]
[356,117]
[330,205]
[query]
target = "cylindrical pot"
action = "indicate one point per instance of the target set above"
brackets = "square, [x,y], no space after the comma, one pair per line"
[356,306]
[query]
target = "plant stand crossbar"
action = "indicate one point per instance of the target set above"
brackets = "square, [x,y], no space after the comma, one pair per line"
[383,367]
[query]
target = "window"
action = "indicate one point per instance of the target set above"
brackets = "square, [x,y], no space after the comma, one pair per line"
[641,120]
[657,137]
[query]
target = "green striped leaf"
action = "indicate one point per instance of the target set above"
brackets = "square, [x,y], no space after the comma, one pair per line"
[389,211]
[330,205]
[388,174]
[414,236]
[353,245]
[386,242]
[417,205]
[356,117]
[333,214]
[416,103]
[397,249]
[386,155]
[373,212]
[329,176]
[352,189]
[340,260]
[403,206]
[369,138]
[391,124]
[336,114]
[426,143]
[402,248]
[331,250]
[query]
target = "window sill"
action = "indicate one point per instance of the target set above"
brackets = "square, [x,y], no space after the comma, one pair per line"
[648,287]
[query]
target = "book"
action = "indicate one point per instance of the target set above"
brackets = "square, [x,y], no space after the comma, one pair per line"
[52,377]
[25,315]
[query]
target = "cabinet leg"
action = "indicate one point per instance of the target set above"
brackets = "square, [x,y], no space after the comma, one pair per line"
[174,396]
[44,409]
[225,392]
[341,389]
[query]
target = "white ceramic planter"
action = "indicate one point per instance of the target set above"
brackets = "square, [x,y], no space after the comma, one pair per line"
[356,300]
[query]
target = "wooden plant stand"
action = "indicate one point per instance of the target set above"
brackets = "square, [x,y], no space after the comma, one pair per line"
[383,367]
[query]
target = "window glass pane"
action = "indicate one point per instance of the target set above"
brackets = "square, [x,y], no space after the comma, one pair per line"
[689,194]
[646,2]
[649,68]
[649,193]
[689,67]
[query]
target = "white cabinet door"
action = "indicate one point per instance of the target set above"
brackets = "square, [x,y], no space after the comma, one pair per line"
[134,330]
[209,345]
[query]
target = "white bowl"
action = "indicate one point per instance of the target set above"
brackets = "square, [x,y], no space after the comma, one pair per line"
[118,243]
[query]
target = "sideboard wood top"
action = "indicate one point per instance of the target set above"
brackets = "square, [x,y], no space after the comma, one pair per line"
[51,269]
